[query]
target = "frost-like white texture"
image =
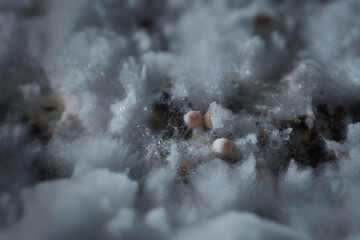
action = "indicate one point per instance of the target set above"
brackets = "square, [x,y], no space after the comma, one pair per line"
[218,185]
[331,42]
[222,119]
[62,207]
[234,225]
[90,152]
[125,220]
[158,220]
[93,93]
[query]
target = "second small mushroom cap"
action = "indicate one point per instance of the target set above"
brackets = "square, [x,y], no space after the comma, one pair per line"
[207,120]
[222,146]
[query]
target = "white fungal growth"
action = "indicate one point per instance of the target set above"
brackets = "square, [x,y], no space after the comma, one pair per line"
[219,119]
[197,131]
[202,104]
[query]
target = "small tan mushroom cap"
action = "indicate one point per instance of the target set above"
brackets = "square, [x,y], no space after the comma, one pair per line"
[207,120]
[192,119]
[222,146]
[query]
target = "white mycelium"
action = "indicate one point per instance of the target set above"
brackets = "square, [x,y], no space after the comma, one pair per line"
[179,119]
